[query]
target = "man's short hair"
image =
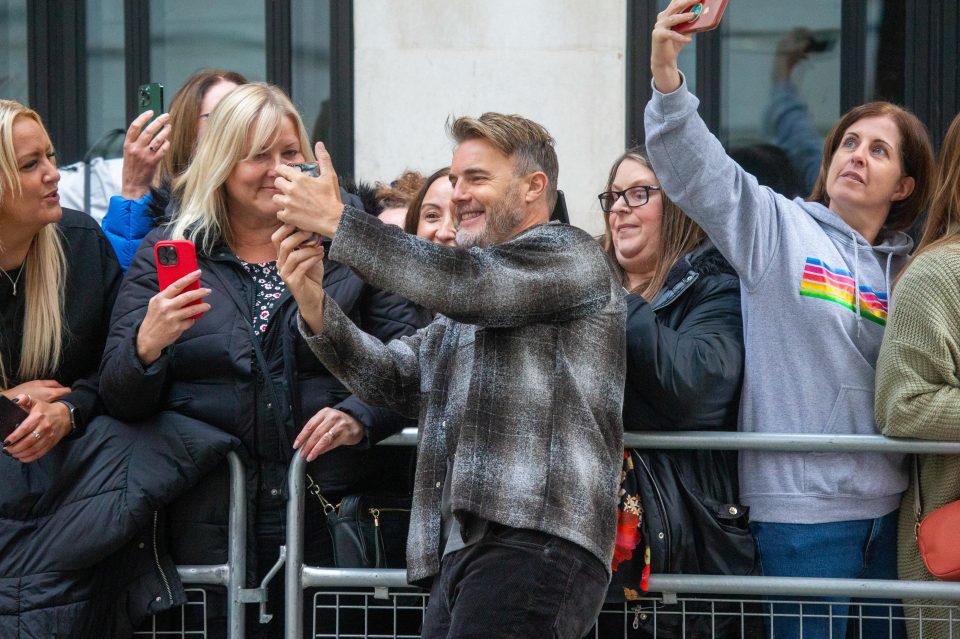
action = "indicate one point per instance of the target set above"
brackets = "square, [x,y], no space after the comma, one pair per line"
[529,144]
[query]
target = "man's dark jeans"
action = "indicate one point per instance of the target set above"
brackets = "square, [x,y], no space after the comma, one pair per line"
[516,583]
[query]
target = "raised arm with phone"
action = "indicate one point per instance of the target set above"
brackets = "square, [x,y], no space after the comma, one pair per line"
[815,278]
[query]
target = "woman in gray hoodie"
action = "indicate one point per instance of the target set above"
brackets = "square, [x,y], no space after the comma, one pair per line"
[815,276]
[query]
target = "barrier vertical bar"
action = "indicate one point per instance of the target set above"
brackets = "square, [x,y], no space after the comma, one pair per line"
[293,575]
[237,551]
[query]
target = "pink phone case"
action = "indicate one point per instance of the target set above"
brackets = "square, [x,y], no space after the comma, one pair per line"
[708,17]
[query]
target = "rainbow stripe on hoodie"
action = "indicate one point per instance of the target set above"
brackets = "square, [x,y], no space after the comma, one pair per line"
[837,285]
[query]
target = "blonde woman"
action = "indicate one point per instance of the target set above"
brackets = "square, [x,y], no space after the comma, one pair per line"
[58,282]
[918,390]
[243,366]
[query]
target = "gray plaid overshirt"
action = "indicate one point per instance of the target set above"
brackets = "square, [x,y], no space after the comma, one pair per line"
[519,379]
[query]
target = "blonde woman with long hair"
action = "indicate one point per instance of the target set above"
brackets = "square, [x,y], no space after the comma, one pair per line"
[58,282]
[243,366]
[918,388]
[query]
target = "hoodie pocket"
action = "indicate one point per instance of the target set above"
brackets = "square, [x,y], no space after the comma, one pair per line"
[852,413]
[839,474]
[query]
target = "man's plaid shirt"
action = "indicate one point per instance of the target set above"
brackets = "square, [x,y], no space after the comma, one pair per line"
[519,379]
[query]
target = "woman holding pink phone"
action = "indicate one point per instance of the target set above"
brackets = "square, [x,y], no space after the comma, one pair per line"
[242,366]
[815,279]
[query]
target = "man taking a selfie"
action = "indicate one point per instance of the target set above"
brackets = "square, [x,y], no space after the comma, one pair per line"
[517,384]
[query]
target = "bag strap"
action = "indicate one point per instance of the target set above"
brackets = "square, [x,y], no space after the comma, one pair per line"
[917,508]
[314,490]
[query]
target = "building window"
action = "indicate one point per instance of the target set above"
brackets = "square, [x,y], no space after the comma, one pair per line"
[106,85]
[14,83]
[186,36]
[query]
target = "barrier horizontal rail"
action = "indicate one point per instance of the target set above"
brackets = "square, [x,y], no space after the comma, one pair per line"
[721,584]
[804,587]
[781,442]
[689,584]
[204,575]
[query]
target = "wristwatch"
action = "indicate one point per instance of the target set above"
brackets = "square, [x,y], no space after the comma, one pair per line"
[73,414]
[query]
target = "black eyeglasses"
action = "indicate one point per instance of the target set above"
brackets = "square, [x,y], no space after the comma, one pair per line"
[634,196]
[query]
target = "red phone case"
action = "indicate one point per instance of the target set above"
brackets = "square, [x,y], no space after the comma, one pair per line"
[167,274]
[708,17]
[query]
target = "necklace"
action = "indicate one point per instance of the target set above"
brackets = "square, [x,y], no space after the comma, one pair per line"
[12,280]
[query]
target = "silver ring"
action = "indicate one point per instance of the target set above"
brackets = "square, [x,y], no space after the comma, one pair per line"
[36,434]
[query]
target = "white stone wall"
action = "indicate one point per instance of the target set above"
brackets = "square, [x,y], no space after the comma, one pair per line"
[562,64]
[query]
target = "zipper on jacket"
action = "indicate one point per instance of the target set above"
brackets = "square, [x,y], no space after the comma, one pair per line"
[663,511]
[156,559]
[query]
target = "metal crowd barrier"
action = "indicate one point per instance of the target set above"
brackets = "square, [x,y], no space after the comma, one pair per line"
[299,577]
[230,575]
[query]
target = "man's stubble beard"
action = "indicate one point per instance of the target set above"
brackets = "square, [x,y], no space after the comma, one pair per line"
[500,224]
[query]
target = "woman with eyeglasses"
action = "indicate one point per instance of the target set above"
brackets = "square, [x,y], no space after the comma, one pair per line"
[815,278]
[684,367]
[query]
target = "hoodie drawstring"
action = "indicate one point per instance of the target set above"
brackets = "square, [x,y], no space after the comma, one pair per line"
[887,283]
[856,279]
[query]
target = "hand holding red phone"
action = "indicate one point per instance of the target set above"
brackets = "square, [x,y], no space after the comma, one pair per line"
[170,312]
[667,42]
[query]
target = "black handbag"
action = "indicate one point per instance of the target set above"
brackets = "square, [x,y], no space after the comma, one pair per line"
[680,512]
[367,530]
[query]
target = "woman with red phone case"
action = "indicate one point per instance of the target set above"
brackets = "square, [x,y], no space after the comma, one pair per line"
[227,351]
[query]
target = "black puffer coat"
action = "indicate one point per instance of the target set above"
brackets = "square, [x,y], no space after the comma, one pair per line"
[685,349]
[79,555]
[684,370]
[211,374]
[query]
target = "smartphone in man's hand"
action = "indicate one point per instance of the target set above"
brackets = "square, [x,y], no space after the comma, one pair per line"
[313,170]
[10,417]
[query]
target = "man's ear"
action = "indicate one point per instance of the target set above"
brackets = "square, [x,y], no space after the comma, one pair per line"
[536,186]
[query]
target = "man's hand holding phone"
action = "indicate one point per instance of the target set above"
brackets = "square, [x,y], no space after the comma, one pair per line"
[310,203]
[170,312]
[301,268]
